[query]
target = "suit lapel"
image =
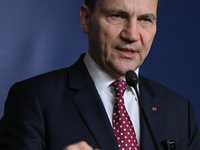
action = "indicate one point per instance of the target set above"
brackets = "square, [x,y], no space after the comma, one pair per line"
[149,102]
[89,104]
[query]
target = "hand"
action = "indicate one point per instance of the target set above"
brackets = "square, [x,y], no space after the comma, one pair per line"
[79,146]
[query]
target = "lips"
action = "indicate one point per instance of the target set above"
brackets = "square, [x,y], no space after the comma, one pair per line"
[127,52]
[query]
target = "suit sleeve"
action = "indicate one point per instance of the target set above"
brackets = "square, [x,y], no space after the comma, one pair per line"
[194,133]
[22,126]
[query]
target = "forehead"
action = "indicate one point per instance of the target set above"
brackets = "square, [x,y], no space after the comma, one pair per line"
[131,6]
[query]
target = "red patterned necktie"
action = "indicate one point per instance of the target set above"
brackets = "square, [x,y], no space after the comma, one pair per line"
[122,125]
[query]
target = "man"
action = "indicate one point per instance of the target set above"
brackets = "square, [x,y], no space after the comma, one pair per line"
[60,108]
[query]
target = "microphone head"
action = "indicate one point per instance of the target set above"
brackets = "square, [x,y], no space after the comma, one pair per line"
[131,78]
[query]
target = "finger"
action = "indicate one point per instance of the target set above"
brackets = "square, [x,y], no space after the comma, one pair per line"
[79,146]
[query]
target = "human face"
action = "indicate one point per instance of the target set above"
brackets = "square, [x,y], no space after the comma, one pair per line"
[120,34]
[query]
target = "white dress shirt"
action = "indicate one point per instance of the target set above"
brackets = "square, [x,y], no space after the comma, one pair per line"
[102,81]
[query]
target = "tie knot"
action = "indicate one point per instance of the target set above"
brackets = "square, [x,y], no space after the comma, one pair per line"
[120,87]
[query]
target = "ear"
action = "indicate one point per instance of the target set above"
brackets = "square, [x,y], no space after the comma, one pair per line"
[85,19]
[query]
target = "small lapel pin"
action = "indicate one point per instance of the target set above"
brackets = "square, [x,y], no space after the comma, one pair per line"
[154,109]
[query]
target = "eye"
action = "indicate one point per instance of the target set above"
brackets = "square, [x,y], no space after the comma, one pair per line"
[116,19]
[146,20]
[116,16]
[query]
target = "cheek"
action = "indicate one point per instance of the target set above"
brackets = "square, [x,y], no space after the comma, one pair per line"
[109,33]
[147,40]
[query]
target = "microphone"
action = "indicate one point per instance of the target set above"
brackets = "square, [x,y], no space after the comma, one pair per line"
[132,80]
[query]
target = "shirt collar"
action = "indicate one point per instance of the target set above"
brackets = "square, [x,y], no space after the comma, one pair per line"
[101,78]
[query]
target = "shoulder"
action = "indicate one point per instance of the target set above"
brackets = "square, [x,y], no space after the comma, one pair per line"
[45,81]
[56,77]
[160,91]
[55,81]
[43,84]
[48,77]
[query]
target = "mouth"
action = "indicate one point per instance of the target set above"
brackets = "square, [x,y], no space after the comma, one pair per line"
[127,52]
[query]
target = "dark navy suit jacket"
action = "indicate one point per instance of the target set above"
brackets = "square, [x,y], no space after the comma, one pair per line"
[53,110]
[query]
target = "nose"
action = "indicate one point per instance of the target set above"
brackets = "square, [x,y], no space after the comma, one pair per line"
[131,32]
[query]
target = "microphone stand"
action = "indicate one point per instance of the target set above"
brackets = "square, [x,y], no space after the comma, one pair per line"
[132,80]
[147,121]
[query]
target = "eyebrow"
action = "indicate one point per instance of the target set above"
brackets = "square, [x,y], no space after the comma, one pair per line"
[108,11]
[120,11]
[149,15]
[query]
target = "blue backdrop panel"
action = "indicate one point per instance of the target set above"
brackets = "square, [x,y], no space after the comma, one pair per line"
[37,36]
